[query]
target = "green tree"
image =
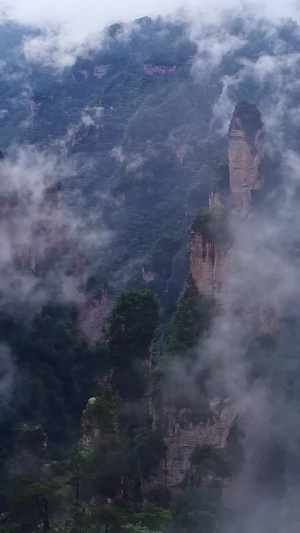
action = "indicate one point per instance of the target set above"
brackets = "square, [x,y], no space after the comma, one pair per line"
[152,516]
[192,319]
[35,494]
[131,329]
[150,448]
[137,528]
[109,465]
[73,472]
[104,411]
[196,511]
[107,519]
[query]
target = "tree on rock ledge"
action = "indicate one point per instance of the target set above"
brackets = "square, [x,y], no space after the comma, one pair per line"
[131,329]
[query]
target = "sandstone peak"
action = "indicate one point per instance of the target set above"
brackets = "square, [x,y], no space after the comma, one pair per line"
[245,156]
[235,183]
[246,118]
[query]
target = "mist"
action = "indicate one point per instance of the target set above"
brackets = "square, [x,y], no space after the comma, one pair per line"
[69,28]
[37,230]
[250,355]
[263,275]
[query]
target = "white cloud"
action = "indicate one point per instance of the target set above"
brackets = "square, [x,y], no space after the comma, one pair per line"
[67,26]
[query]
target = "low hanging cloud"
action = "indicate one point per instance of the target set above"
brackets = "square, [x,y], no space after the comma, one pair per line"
[45,247]
[277,70]
[68,28]
[259,298]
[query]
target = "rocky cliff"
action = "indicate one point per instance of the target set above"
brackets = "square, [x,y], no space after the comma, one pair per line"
[183,435]
[245,156]
[206,261]
[93,315]
[255,493]
[209,263]
[232,194]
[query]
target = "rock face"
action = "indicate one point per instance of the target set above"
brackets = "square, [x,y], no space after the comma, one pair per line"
[255,494]
[215,201]
[206,264]
[182,435]
[245,153]
[182,150]
[148,275]
[100,71]
[93,316]
[209,261]
[245,156]
[158,69]
[90,432]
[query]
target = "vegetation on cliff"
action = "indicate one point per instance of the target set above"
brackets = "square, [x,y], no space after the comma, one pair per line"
[212,225]
[209,460]
[250,118]
[191,320]
[131,329]
[57,488]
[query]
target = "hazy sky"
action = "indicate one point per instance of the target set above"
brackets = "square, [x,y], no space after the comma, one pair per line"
[95,13]
[77,21]
[87,16]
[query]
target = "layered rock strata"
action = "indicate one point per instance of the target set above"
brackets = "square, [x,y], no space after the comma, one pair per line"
[182,435]
[244,159]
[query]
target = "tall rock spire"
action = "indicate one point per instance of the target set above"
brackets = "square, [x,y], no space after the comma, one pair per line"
[210,263]
[232,196]
[245,156]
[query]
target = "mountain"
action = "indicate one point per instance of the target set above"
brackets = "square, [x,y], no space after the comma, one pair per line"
[149,280]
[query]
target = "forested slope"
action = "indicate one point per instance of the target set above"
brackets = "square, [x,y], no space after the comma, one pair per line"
[133,136]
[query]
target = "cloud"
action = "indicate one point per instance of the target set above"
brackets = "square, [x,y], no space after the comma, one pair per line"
[69,27]
[45,247]
[273,78]
[261,275]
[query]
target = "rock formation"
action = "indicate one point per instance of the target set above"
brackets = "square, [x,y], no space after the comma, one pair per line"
[245,157]
[209,263]
[34,108]
[206,263]
[93,315]
[212,254]
[158,69]
[207,250]
[90,430]
[100,71]
[148,275]
[182,435]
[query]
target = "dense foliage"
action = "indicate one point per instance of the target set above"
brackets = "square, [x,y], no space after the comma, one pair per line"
[131,329]
[212,225]
[46,484]
[191,319]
